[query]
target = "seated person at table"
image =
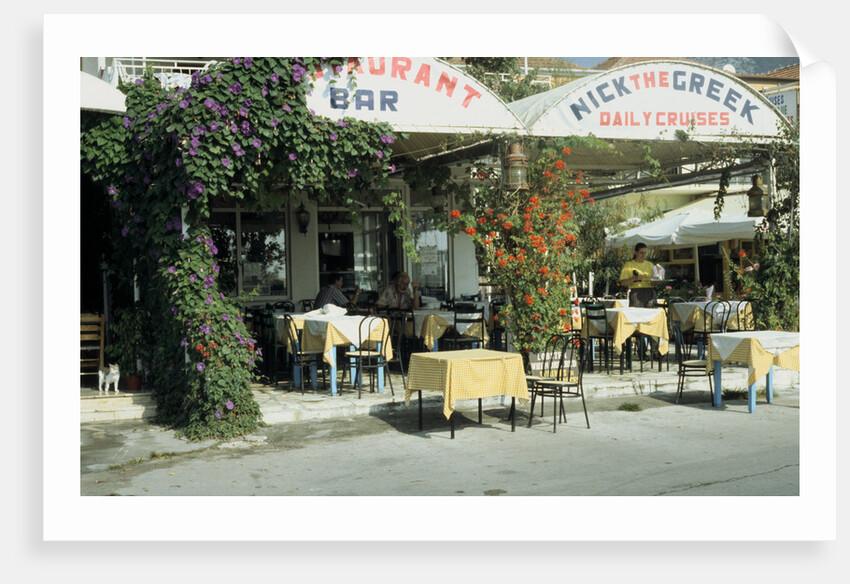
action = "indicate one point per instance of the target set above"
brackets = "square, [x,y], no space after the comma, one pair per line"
[399,293]
[332,294]
[637,276]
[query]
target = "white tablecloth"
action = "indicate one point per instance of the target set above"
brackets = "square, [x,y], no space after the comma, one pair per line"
[774,342]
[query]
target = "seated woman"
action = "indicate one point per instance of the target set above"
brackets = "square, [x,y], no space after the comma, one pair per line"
[399,293]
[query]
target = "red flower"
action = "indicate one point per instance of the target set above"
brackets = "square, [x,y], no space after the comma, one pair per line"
[742,253]
[547,174]
[454,214]
[482,220]
[566,150]
[507,225]
[563,312]
[470,231]
[487,242]
[500,253]
[560,164]
[544,270]
[503,263]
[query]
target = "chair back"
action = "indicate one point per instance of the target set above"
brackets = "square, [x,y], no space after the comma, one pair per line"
[595,316]
[469,315]
[715,315]
[286,305]
[683,351]
[744,319]
[292,335]
[698,299]
[92,340]
[306,304]
[364,331]
[564,358]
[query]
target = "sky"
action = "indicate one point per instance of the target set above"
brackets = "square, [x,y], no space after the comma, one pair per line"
[585,61]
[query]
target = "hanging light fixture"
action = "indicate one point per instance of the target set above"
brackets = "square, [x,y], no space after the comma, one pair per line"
[516,169]
[439,200]
[302,216]
[757,198]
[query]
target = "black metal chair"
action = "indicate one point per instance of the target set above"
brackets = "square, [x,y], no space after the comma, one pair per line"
[670,311]
[397,322]
[467,317]
[368,356]
[688,367]
[714,318]
[564,359]
[499,339]
[742,318]
[298,357]
[306,304]
[286,305]
[594,321]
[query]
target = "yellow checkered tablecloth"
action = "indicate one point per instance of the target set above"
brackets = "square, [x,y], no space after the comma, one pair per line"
[334,337]
[622,327]
[692,316]
[435,326]
[750,351]
[469,374]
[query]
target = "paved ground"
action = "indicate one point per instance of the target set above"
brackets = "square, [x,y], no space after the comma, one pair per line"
[664,449]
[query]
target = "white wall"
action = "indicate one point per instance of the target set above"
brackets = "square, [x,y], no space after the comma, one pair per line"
[303,256]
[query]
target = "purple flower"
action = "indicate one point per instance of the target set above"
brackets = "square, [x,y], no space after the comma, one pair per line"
[225,316]
[229,405]
[125,230]
[333,136]
[137,219]
[353,173]
[200,367]
[225,162]
[273,122]
[259,352]
[392,168]
[172,270]
[286,108]
[235,88]
[184,104]
[248,61]
[292,156]
[178,162]
[193,151]
[174,310]
[138,82]
[243,112]
[183,342]
[193,278]
[218,414]
[206,78]
[342,124]
[112,190]
[257,143]
[239,317]
[213,126]
[209,299]
[380,153]
[195,142]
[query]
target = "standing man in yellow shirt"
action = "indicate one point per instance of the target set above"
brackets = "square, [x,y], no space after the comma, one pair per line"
[637,276]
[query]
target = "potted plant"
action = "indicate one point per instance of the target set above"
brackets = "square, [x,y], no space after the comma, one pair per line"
[129,347]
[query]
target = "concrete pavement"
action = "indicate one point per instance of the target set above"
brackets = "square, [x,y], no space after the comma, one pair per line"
[373,447]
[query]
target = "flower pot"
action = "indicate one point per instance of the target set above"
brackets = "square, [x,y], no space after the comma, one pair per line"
[134,383]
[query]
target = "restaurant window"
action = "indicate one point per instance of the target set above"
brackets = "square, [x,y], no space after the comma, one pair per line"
[251,252]
[432,246]
[359,253]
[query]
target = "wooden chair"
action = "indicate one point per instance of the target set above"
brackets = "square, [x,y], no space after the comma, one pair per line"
[92,343]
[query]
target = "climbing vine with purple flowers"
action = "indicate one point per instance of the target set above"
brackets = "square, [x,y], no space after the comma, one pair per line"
[241,131]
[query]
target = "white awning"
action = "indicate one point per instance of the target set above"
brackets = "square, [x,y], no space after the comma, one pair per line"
[99,96]
[652,100]
[695,227]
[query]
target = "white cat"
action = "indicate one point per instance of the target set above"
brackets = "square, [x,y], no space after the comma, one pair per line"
[107,376]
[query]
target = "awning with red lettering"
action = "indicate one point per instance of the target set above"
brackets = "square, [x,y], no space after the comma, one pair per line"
[653,100]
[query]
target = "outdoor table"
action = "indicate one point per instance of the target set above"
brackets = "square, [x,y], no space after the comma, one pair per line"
[468,374]
[691,314]
[615,302]
[761,351]
[624,322]
[325,333]
[431,324]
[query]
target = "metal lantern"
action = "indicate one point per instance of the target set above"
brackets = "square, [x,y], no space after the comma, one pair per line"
[302,216]
[439,200]
[757,198]
[516,169]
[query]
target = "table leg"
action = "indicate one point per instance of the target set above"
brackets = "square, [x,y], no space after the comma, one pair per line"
[751,398]
[332,373]
[296,376]
[420,409]
[717,384]
[352,366]
[436,346]
[452,424]
[314,373]
[699,348]
[513,414]
[479,410]
[380,373]
[770,385]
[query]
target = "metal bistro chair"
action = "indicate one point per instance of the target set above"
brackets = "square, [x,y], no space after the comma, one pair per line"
[561,375]
[285,305]
[688,367]
[306,304]
[743,318]
[468,317]
[298,357]
[368,356]
[594,321]
[714,317]
[671,317]
[397,322]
